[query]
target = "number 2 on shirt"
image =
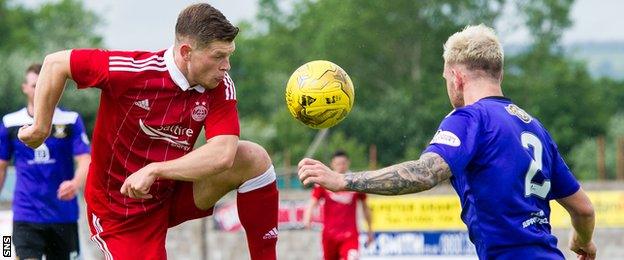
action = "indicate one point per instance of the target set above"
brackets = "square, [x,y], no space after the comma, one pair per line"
[541,190]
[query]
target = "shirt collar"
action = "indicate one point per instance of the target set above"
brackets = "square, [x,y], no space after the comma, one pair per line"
[497,98]
[177,75]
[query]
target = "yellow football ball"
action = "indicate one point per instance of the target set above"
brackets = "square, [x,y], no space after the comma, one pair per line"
[319,94]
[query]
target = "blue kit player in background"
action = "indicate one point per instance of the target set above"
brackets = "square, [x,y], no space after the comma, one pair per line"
[501,161]
[45,208]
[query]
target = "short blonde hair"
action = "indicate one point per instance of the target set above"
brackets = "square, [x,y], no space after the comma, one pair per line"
[476,47]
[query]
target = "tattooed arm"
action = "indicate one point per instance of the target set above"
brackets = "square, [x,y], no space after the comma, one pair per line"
[403,178]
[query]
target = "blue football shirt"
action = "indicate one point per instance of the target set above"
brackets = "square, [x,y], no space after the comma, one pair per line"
[505,168]
[41,171]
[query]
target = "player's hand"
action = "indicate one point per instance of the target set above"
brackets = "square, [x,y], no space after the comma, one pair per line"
[583,251]
[67,190]
[33,136]
[313,171]
[138,184]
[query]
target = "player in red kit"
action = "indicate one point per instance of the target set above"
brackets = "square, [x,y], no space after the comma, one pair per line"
[340,233]
[145,176]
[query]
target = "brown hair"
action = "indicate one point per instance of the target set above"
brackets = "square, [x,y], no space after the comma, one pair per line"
[204,24]
[339,153]
[34,68]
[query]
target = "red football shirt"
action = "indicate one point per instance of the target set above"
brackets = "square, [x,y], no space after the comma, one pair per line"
[339,211]
[148,113]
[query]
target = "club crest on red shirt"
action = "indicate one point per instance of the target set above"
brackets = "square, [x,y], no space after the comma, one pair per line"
[199,112]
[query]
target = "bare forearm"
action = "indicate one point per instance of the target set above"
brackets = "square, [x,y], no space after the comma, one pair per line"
[82,169]
[189,168]
[3,169]
[403,178]
[584,227]
[2,177]
[50,86]
[204,161]
[581,213]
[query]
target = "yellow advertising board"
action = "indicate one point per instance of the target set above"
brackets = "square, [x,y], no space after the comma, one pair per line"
[416,213]
[442,212]
[609,207]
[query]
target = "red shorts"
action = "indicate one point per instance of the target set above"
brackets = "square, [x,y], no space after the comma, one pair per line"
[143,236]
[340,247]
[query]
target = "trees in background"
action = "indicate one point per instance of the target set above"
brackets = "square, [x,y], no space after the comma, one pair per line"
[391,49]
[28,34]
[585,153]
[393,52]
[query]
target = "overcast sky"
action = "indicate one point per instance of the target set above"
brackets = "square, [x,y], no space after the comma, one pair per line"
[149,24]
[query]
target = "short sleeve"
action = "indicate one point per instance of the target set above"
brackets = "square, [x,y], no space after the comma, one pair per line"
[89,68]
[80,140]
[456,139]
[563,183]
[222,118]
[6,147]
[317,192]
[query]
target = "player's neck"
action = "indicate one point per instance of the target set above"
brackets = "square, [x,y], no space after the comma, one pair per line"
[481,89]
[181,64]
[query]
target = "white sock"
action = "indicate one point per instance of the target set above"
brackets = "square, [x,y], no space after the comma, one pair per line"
[260,181]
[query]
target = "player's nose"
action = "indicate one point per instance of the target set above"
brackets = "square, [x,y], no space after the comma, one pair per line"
[225,65]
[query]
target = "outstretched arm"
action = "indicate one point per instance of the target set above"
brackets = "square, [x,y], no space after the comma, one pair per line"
[50,86]
[403,178]
[407,177]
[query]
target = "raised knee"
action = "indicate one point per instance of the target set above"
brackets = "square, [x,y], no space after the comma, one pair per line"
[257,171]
[253,155]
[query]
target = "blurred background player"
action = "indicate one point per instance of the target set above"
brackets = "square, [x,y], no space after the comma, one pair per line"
[145,176]
[501,161]
[340,233]
[45,208]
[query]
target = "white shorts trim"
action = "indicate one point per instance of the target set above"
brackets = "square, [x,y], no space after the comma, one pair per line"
[98,240]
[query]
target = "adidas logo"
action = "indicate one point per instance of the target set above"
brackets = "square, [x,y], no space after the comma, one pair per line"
[272,234]
[143,104]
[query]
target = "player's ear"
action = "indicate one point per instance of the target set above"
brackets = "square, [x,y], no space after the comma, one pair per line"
[185,51]
[458,78]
